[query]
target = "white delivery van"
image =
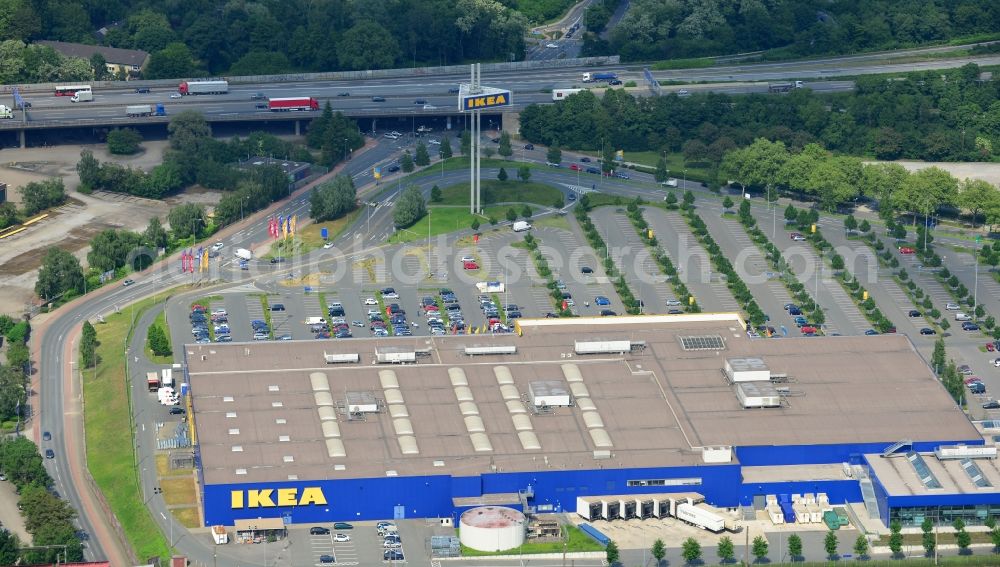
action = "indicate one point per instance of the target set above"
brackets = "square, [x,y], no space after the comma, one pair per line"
[521,226]
[672,182]
[244,254]
[315,321]
[82,96]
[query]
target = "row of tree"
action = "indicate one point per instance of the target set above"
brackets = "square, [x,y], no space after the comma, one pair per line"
[35,198]
[836,180]
[48,518]
[198,37]
[653,29]
[23,63]
[939,116]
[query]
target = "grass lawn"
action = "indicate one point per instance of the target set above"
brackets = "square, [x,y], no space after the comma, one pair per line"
[109,433]
[161,320]
[577,541]
[552,221]
[178,490]
[188,517]
[308,238]
[445,220]
[496,191]
[675,164]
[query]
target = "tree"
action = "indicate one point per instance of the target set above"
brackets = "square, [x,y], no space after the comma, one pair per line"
[40,195]
[422,157]
[896,538]
[436,194]
[977,196]
[861,547]
[12,395]
[837,262]
[688,198]
[124,141]
[505,149]
[333,200]
[157,341]
[60,273]
[88,345]
[410,207]
[791,213]
[991,523]
[18,356]
[658,551]
[502,176]
[661,174]
[475,224]
[174,60]
[794,546]
[9,544]
[445,150]
[511,214]
[727,203]
[830,544]
[865,227]
[526,212]
[21,462]
[406,162]
[608,158]
[466,143]
[611,553]
[553,155]
[524,173]
[691,550]
[190,134]
[850,223]
[962,537]
[928,539]
[759,548]
[186,220]
[727,551]
[155,235]
[670,200]
[367,45]
[100,66]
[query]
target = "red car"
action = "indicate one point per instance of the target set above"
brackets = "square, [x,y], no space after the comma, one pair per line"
[199,308]
[907,250]
[470,265]
[990,347]
[807,330]
[574,167]
[972,379]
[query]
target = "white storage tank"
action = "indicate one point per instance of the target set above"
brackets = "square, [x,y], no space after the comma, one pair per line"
[492,528]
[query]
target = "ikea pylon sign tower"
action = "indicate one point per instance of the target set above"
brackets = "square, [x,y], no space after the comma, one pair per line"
[475,98]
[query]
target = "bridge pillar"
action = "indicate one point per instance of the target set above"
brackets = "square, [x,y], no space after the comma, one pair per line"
[22,137]
[448,123]
[297,129]
[511,123]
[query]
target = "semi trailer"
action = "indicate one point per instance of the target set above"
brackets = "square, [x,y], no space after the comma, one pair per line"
[203,87]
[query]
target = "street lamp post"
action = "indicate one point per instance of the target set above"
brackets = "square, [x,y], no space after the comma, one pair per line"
[975,286]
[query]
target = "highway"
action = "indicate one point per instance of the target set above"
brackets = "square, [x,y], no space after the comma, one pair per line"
[528,87]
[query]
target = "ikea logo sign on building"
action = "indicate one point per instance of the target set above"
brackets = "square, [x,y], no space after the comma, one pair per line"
[272,497]
[492,100]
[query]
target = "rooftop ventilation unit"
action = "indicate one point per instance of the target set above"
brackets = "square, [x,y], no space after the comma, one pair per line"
[487,350]
[362,402]
[758,395]
[945,452]
[549,393]
[603,347]
[703,342]
[392,356]
[340,358]
[747,370]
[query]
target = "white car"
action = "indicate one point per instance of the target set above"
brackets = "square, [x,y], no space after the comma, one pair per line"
[430,107]
[952,307]
[996,362]
[552,45]
[468,259]
[434,142]
[392,136]
[328,245]
[370,301]
[392,295]
[217,246]
[673,303]
[683,92]
[175,95]
[341,537]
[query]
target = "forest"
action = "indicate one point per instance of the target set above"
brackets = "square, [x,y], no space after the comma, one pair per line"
[671,29]
[939,116]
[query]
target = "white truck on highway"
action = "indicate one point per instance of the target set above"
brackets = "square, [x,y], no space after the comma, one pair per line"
[521,226]
[244,254]
[82,96]
[6,112]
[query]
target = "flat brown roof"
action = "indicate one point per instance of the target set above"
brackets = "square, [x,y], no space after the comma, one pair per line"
[658,405]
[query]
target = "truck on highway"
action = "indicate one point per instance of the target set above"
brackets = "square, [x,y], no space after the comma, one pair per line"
[521,226]
[203,87]
[594,77]
[244,254]
[784,87]
[82,96]
[6,112]
[295,103]
[135,110]
[559,94]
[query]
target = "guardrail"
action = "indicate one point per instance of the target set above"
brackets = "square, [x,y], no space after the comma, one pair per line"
[338,75]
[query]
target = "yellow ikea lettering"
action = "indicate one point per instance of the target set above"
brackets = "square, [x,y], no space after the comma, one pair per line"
[285,497]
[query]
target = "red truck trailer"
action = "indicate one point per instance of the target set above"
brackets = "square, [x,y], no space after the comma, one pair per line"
[297,103]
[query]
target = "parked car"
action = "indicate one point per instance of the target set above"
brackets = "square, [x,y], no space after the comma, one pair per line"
[928,331]
[586,270]
[341,537]
[797,237]
[342,526]
[601,300]
[50,454]
[993,404]
[277,307]
[907,250]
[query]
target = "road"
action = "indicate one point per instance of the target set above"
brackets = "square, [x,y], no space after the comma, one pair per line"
[528,86]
